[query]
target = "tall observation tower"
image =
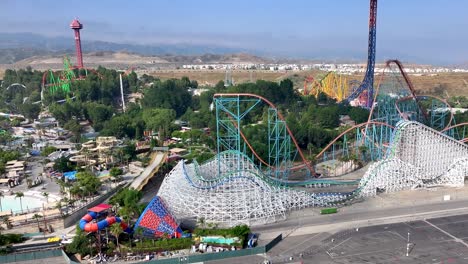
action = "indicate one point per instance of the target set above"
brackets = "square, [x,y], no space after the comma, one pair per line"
[367,86]
[76,26]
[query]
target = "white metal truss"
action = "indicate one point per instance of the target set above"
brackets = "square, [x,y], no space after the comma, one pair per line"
[418,157]
[235,191]
[233,197]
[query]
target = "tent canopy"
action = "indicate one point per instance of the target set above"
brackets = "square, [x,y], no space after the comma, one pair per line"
[99,208]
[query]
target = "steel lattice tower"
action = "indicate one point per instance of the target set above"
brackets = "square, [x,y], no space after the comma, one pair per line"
[367,84]
[76,26]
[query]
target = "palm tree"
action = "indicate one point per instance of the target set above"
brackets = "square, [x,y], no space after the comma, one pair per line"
[58,206]
[1,195]
[201,222]
[72,202]
[37,217]
[139,234]
[127,212]
[67,187]
[6,220]
[61,184]
[20,195]
[75,191]
[46,195]
[116,230]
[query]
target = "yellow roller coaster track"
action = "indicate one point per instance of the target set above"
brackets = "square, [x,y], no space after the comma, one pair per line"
[333,85]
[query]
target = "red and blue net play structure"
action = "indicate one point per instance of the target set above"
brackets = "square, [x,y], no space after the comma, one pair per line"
[156,221]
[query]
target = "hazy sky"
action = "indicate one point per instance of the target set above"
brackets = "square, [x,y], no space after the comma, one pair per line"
[427,30]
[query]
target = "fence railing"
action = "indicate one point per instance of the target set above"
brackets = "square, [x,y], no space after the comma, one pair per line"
[18,257]
[67,259]
[220,255]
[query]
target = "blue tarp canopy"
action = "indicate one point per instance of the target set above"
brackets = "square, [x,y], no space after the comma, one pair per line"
[71,175]
[35,153]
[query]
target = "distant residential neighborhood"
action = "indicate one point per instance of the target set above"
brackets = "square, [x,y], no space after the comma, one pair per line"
[347,69]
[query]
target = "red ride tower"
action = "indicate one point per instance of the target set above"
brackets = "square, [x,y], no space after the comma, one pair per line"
[76,26]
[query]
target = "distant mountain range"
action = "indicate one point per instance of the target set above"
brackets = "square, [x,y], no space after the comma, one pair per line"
[18,46]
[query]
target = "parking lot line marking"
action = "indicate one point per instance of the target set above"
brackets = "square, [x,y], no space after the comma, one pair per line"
[455,222]
[340,243]
[396,233]
[357,254]
[296,246]
[447,233]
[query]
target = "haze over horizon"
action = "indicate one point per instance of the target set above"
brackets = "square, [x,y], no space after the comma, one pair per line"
[418,31]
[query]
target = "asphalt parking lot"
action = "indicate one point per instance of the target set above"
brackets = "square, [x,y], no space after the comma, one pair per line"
[436,240]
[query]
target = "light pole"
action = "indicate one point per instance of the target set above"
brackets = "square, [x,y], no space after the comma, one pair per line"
[408,245]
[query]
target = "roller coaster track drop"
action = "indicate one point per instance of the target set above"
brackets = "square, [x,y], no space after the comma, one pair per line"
[230,135]
[434,119]
[230,104]
[458,131]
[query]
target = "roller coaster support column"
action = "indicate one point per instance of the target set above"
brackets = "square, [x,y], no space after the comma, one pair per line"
[279,145]
[229,113]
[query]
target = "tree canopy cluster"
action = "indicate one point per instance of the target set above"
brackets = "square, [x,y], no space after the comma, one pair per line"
[86,184]
[127,202]
[96,98]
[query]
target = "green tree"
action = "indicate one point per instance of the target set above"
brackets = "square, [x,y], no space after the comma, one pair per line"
[7,221]
[72,125]
[115,171]
[127,201]
[46,195]
[62,164]
[20,195]
[76,191]
[327,117]
[219,86]
[287,91]
[359,114]
[170,94]
[139,234]
[194,84]
[159,119]
[37,217]
[81,243]
[58,206]
[30,110]
[66,111]
[98,113]
[201,222]
[48,150]
[121,126]
[88,182]
[116,230]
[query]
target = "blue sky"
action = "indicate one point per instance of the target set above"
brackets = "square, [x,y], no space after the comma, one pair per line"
[426,31]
